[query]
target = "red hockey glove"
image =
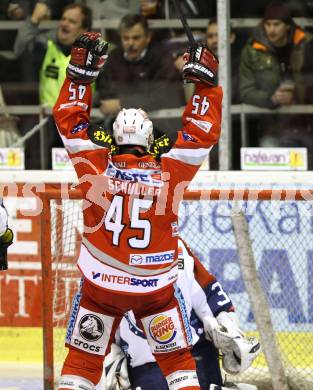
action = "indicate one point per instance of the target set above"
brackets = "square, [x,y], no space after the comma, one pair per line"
[88,56]
[201,66]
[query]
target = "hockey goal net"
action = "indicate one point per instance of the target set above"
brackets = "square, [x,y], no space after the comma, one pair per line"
[280,232]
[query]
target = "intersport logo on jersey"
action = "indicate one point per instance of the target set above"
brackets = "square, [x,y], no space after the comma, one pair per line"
[147,177]
[152,258]
[124,280]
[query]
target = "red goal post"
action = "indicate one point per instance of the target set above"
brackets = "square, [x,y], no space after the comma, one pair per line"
[208,230]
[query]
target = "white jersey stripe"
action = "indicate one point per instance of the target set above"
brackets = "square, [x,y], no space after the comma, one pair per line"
[78,145]
[107,259]
[111,278]
[189,156]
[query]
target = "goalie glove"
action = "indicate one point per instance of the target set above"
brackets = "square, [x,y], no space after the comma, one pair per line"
[238,350]
[6,240]
[116,373]
[201,66]
[217,334]
[88,55]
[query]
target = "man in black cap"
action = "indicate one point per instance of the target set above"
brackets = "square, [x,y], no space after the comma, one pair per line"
[272,76]
[271,66]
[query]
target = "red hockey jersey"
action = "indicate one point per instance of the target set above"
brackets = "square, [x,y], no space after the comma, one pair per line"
[131,203]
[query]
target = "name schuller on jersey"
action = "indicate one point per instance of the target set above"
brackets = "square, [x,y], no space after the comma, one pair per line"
[134,181]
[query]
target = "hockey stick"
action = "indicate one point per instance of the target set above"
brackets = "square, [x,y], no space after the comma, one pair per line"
[184,22]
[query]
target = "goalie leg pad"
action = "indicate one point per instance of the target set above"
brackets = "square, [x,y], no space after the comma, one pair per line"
[116,372]
[183,380]
[73,382]
[232,386]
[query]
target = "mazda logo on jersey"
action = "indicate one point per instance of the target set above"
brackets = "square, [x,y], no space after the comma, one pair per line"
[152,258]
[90,327]
[162,329]
[136,259]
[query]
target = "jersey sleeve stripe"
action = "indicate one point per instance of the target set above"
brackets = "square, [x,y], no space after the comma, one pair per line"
[189,156]
[84,106]
[76,145]
[109,260]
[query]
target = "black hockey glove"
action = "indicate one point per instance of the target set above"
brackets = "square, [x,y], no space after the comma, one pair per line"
[160,146]
[88,55]
[5,241]
[201,66]
[99,136]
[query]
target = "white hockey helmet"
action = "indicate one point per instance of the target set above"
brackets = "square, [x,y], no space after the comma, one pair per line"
[133,127]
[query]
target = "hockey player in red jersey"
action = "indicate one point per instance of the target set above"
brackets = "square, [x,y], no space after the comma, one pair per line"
[129,249]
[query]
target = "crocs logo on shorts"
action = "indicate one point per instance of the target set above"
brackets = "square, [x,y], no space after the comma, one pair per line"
[91,327]
[162,329]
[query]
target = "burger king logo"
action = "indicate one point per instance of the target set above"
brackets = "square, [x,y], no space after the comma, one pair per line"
[162,329]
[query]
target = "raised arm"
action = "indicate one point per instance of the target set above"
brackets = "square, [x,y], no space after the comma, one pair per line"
[72,109]
[202,115]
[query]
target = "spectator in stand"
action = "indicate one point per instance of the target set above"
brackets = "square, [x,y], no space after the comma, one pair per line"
[18,9]
[211,40]
[142,66]
[116,9]
[9,66]
[51,50]
[107,9]
[21,9]
[272,76]
[271,67]
[255,8]
[308,71]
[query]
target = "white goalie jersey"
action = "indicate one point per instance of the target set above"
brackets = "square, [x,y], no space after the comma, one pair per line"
[3,218]
[130,336]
